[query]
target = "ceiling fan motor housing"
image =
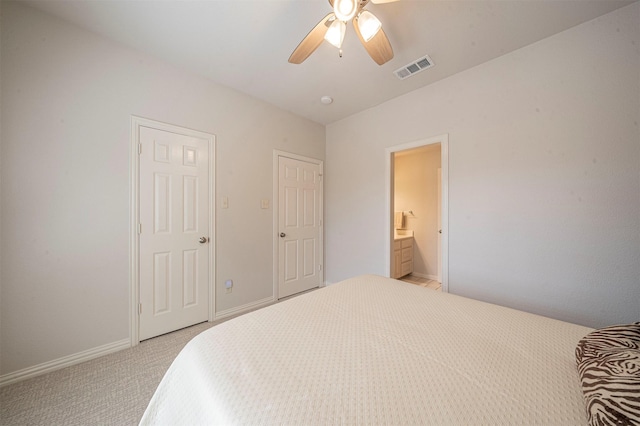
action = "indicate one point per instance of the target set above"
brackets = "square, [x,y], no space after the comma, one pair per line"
[345,10]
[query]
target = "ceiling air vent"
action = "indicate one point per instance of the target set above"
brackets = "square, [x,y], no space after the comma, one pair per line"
[414,67]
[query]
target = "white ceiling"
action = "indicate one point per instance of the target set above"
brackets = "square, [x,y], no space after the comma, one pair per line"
[245,44]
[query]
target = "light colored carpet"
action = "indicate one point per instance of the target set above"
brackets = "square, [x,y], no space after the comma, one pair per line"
[112,390]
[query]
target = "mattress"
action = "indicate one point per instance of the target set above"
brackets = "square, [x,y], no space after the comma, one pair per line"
[378,351]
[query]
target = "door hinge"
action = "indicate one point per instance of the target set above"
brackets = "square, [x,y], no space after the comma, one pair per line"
[139,148]
[140,309]
[139,228]
[319,267]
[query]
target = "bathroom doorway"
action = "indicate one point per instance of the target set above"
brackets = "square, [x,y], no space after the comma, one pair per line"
[418,212]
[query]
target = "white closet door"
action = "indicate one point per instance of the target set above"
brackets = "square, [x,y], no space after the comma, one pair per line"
[174,238]
[300,257]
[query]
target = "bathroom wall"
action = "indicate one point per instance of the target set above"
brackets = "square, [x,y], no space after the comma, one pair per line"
[416,190]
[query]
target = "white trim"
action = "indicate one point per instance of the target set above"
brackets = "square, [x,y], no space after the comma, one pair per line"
[443,140]
[66,361]
[244,308]
[276,207]
[134,239]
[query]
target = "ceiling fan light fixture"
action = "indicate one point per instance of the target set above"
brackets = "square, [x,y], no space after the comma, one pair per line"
[335,33]
[334,26]
[368,25]
[345,10]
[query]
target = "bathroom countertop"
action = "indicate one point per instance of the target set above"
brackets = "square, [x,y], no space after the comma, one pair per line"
[402,234]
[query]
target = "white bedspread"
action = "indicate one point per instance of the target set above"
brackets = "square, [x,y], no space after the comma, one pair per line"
[376,351]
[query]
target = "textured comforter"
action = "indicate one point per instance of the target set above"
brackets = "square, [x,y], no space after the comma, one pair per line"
[378,351]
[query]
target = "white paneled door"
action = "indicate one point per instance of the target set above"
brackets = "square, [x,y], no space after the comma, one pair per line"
[299,226]
[174,231]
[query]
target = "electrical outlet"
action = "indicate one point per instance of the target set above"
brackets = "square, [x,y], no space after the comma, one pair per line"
[264,203]
[225,202]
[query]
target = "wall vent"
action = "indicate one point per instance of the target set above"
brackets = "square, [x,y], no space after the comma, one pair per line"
[414,67]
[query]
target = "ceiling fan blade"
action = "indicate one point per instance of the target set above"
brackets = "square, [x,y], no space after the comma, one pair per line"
[383,1]
[311,41]
[378,47]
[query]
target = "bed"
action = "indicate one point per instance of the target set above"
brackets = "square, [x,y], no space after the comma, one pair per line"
[373,350]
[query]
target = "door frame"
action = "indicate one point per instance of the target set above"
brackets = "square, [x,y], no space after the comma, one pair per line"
[443,140]
[276,213]
[134,210]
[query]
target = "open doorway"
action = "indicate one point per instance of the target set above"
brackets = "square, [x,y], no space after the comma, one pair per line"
[417,182]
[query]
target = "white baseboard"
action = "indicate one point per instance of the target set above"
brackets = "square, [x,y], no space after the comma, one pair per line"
[244,308]
[65,361]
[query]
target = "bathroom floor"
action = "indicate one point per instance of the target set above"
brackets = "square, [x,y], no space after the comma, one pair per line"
[422,282]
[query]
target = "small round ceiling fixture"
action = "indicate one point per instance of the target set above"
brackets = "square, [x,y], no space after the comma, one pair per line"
[326,100]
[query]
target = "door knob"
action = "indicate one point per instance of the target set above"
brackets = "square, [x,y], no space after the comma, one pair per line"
[282,235]
[203,240]
[439,231]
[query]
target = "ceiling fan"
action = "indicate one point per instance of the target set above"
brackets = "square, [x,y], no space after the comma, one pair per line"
[334,26]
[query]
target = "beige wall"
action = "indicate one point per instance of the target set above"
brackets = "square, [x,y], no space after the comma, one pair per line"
[67,98]
[544,167]
[416,189]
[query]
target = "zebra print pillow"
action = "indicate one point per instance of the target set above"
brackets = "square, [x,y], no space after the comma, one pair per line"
[609,366]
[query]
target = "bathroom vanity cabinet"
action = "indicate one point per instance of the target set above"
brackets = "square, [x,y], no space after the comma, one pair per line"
[403,256]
